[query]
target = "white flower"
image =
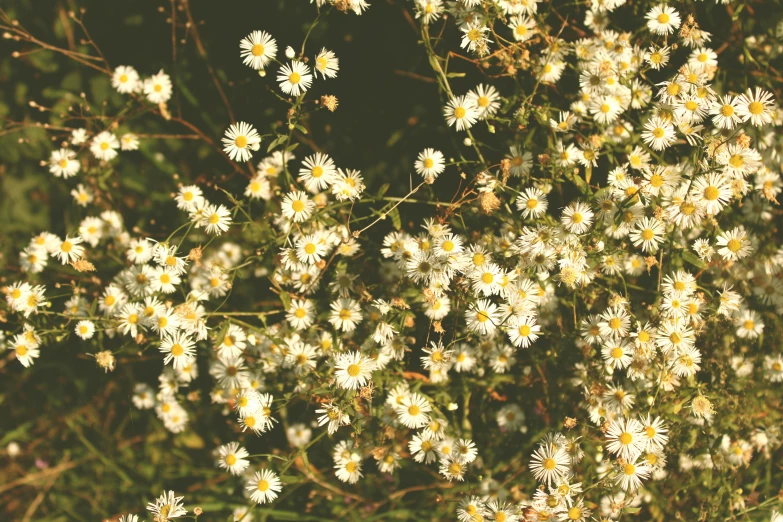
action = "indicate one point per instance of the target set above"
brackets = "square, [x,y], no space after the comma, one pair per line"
[104,146]
[264,486]
[663,19]
[430,164]
[326,63]
[257,49]
[295,78]
[125,79]
[353,370]
[461,112]
[240,141]
[233,458]
[158,88]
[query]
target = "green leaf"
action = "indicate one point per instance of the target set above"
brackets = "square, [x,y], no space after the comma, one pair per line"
[692,259]
[394,214]
[382,190]
[286,299]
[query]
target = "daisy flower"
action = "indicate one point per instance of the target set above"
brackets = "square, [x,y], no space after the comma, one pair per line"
[104,146]
[482,317]
[461,112]
[240,141]
[333,416]
[662,19]
[129,141]
[348,184]
[310,249]
[264,486]
[522,27]
[158,88]
[533,203]
[625,438]
[63,163]
[658,133]
[522,331]
[345,314]
[317,172]
[748,325]
[549,463]
[167,506]
[648,233]
[712,191]
[577,217]
[178,349]
[327,63]
[655,431]
[414,411]
[631,474]
[25,351]
[474,37]
[85,329]
[78,136]
[259,188]
[125,79]
[232,457]
[353,370]
[756,107]
[257,49]
[734,244]
[69,250]
[295,78]
[297,207]
[773,368]
[486,99]
[301,314]
[430,164]
[724,111]
[349,470]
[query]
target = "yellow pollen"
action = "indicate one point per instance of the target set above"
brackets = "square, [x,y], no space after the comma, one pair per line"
[755,108]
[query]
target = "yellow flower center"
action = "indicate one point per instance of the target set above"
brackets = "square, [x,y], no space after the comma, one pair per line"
[755,108]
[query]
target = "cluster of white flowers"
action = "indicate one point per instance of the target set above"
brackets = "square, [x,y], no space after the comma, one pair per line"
[637,234]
